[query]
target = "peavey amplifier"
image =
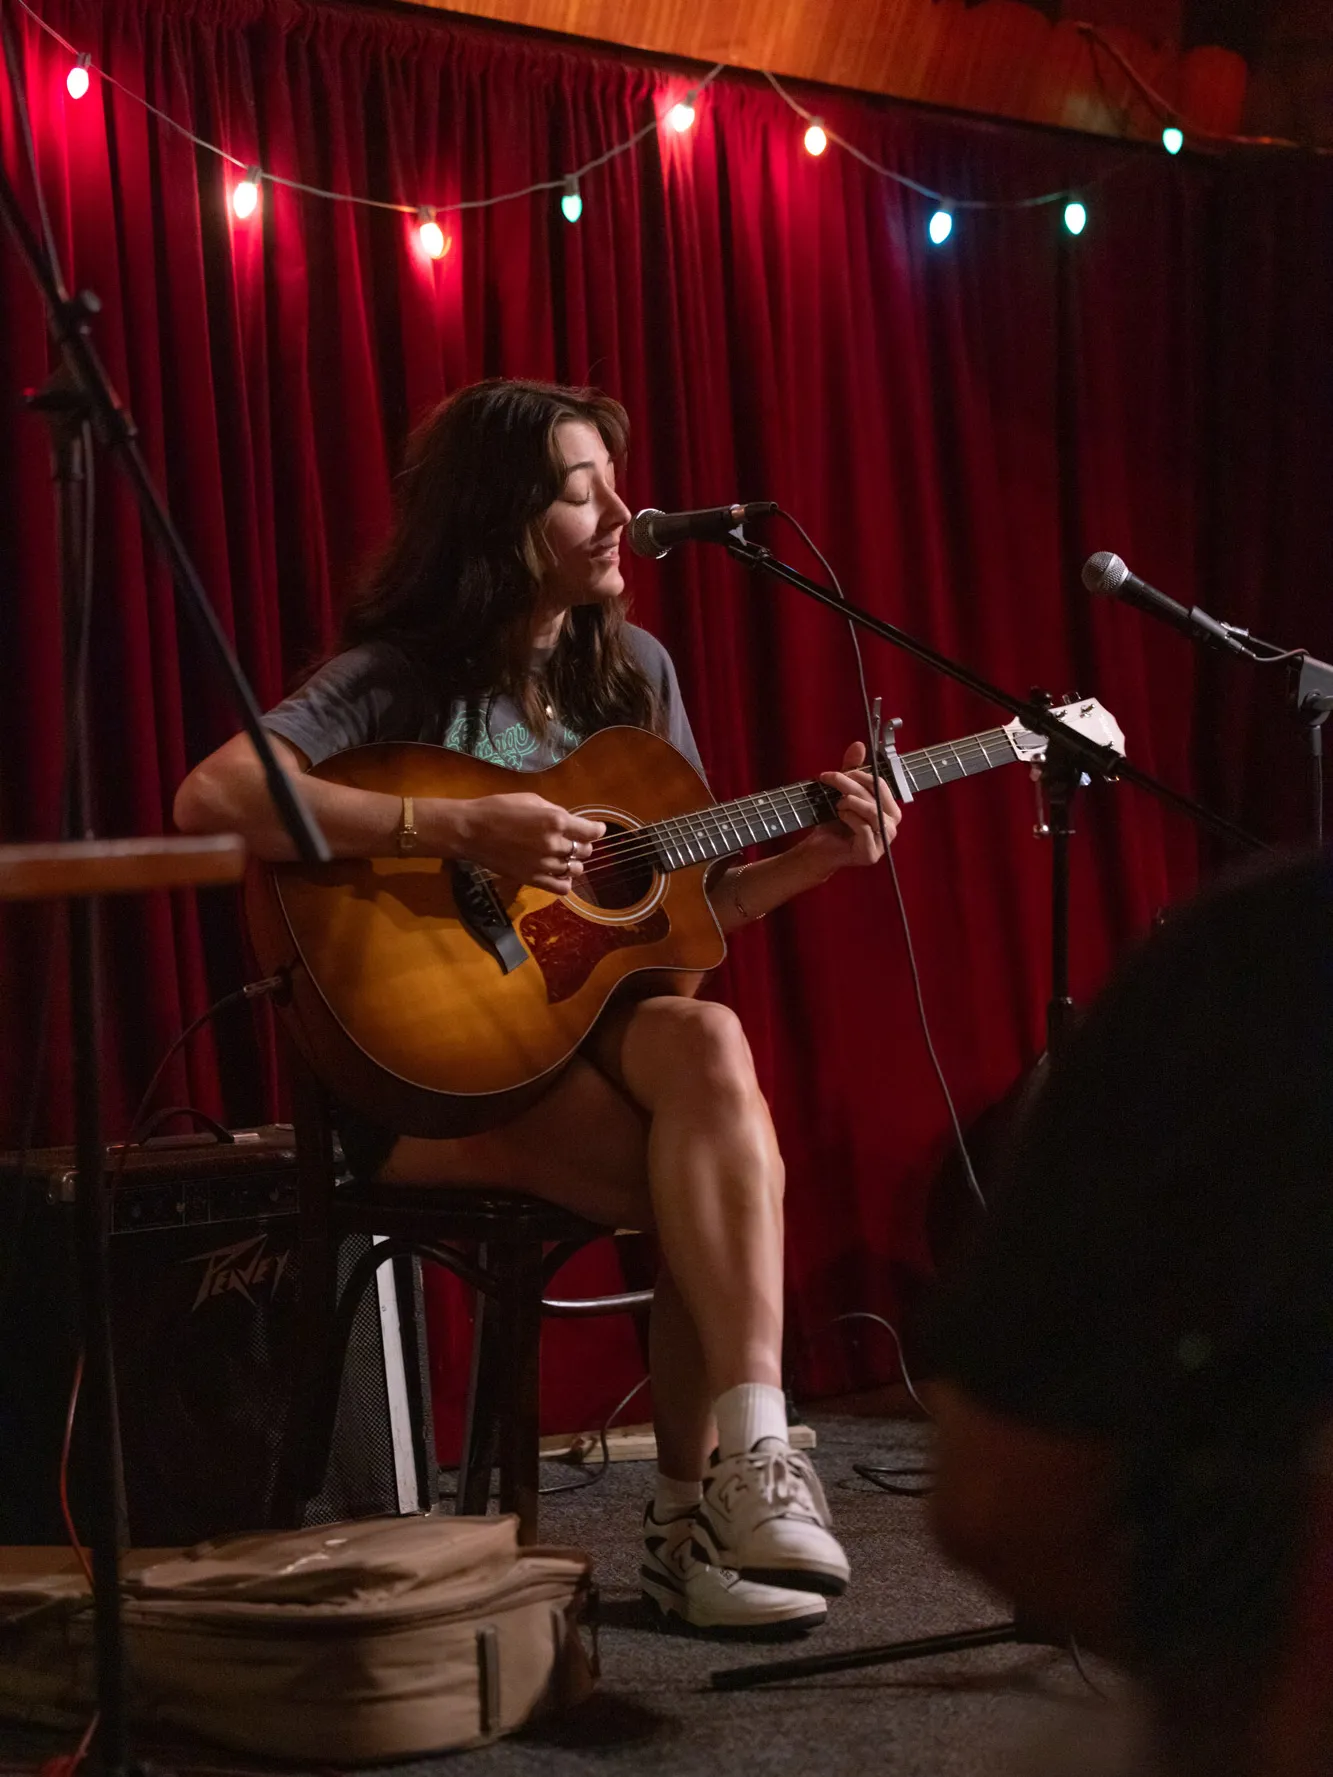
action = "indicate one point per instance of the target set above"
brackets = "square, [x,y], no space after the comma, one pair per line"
[202,1261]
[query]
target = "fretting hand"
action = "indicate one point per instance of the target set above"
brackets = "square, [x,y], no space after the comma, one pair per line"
[854,837]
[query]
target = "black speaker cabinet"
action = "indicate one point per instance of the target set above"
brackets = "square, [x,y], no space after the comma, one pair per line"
[202,1261]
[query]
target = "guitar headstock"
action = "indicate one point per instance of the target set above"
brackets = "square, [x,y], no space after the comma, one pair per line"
[1084,715]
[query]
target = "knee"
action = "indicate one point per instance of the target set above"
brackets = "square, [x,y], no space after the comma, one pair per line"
[701,1044]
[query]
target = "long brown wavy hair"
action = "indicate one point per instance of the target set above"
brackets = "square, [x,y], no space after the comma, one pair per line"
[455,586]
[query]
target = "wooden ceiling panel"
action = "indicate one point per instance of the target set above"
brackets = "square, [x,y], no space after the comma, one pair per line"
[1003,57]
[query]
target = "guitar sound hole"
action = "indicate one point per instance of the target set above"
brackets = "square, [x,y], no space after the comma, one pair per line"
[619,875]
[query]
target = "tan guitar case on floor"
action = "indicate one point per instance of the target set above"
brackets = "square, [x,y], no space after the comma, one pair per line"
[345,1643]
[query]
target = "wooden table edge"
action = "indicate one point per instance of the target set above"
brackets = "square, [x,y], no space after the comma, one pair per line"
[119,866]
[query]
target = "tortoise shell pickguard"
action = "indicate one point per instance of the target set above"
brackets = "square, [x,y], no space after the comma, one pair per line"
[567,948]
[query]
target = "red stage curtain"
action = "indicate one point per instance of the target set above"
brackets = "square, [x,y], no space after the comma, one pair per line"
[958,428]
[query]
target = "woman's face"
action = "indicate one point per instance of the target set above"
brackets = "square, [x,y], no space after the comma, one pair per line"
[582,527]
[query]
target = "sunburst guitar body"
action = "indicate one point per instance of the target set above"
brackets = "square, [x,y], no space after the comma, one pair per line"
[441,1001]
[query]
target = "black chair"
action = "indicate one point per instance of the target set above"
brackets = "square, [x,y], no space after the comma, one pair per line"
[505,1245]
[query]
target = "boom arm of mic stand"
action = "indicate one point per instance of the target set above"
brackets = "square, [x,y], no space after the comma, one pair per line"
[1104,761]
[67,319]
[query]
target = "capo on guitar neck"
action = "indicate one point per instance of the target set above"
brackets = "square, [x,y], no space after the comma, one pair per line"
[886,753]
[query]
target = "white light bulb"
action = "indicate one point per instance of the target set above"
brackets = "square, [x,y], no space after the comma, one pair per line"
[816,139]
[681,117]
[245,197]
[431,235]
[1076,218]
[78,80]
[940,227]
[1173,140]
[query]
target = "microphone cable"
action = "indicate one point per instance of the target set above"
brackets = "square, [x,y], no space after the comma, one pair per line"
[877,777]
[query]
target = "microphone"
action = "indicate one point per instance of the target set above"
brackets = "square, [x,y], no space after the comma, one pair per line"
[652,532]
[1106,573]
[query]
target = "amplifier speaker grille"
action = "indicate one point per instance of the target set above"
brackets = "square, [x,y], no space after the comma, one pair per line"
[202,1264]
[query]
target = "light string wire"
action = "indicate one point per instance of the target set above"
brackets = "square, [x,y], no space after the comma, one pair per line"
[1166,110]
[565,181]
[560,183]
[945,201]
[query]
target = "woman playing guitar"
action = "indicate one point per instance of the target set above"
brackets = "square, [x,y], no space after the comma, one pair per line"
[492,623]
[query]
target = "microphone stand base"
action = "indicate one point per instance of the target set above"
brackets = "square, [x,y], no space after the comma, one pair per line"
[888,1653]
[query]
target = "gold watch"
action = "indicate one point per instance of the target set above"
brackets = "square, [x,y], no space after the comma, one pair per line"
[408,837]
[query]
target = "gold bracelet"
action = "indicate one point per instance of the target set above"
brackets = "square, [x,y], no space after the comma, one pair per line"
[747,917]
[407,835]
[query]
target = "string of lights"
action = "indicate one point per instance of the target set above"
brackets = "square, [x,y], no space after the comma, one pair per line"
[1173,136]
[940,224]
[245,192]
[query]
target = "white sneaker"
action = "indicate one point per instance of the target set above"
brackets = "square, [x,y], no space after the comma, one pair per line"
[682,1590]
[764,1513]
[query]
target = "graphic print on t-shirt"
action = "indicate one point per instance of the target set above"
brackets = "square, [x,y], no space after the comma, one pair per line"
[512,746]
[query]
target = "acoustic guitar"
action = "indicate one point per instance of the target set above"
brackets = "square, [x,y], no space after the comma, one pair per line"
[440,1001]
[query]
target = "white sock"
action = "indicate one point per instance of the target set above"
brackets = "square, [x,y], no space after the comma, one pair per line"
[748,1412]
[672,1499]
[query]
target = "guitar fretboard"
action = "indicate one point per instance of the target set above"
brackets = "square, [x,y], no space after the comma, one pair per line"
[958,758]
[728,827]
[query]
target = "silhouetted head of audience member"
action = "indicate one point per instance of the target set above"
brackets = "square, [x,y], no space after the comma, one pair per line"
[1136,1360]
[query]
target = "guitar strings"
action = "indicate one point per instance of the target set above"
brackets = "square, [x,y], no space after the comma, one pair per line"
[642,841]
[617,850]
[731,814]
[680,832]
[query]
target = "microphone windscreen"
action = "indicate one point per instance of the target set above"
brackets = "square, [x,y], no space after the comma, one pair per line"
[1104,572]
[639,532]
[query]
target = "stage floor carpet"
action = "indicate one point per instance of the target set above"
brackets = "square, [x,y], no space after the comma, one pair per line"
[956,1715]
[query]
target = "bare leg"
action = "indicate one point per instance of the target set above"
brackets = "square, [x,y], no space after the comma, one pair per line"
[585,1147]
[701,1168]
[682,1418]
[714,1173]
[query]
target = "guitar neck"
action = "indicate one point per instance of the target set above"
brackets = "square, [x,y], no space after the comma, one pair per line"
[728,827]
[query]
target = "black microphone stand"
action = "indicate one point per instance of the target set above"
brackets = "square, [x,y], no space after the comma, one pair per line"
[1069,755]
[1313,698]
[77,401]
[1096,760]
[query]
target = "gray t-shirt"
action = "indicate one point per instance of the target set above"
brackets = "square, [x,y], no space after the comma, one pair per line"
[373,692]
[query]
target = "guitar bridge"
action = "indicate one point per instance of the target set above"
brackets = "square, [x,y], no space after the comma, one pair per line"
[482,913]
